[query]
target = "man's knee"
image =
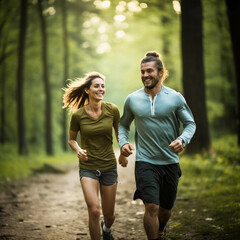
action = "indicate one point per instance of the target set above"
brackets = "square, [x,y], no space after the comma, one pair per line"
[164,210]
[152,209]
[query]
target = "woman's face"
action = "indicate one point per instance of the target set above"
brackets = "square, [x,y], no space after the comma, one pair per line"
[96,90]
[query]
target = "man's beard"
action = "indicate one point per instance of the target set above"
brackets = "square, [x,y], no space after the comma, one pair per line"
[153,84]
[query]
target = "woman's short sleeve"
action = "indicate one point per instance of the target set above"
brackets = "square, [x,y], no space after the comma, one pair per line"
[74,123]
[116,115]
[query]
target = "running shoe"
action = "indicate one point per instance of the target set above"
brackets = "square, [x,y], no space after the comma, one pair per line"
[106,235]
[163,235]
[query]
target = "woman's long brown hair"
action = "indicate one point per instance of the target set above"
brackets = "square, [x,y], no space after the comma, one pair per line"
[75,95]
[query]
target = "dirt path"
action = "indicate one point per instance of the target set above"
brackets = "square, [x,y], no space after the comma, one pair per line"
[51,206]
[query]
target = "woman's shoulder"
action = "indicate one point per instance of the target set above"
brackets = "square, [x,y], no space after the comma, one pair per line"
[110,105]
[111,108]
[79,112]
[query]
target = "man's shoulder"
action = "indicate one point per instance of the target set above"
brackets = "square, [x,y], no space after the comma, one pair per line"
[136,93]
[173,94]
[171,91]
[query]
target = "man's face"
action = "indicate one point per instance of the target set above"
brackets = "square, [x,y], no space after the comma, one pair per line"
[149,74]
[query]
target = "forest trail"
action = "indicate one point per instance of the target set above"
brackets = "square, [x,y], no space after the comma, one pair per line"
[51,206]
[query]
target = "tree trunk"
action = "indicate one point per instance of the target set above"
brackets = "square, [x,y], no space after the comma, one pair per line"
[66,70]
[3,77]
[22,143]
[193,71]
[233,9]
[47,87]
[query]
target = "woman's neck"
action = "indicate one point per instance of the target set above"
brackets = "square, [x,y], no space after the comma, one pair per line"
[94,109]
[95,106]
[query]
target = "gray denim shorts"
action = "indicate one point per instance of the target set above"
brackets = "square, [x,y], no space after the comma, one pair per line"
[106,177]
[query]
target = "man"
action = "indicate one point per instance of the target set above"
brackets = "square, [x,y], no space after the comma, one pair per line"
[157,111]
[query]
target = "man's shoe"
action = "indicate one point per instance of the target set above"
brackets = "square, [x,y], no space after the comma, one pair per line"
[163,235]
[106,235]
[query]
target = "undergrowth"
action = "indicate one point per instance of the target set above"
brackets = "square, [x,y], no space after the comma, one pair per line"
[208,203]
[14,166]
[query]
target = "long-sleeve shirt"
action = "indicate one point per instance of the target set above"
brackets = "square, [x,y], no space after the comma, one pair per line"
[157,124]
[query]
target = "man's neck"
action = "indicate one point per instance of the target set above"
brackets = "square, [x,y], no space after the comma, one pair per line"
[153,92]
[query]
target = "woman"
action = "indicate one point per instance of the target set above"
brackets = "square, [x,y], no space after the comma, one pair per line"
[94,119]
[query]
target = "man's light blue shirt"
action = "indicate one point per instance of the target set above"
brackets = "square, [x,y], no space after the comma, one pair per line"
[157,124]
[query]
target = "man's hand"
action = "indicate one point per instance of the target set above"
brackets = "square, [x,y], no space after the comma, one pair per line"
[127,149]
[176,146]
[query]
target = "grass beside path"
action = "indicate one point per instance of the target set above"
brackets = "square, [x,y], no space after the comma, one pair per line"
[208,203]
[14,167]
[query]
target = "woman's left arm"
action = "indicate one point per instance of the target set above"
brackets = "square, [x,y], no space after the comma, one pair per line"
[122,160]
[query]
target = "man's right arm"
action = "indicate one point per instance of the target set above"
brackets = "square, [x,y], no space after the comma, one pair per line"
[127,149]
[124,129]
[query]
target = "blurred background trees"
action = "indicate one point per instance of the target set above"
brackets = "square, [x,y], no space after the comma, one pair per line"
[193,77]
[43,43]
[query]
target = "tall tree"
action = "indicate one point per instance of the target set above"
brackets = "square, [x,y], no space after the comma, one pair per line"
[3,43]
[233,9]
[193,71]
[22,143]
[66,70]
[47,86]
[2,95]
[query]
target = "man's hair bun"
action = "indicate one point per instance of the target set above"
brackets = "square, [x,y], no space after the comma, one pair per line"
[152,54]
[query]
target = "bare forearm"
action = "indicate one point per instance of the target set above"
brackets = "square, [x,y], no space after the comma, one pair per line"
[81,153]
[123,161]
[74,145]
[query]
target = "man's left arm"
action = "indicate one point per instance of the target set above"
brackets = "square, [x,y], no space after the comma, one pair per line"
[185,115]
[176,146]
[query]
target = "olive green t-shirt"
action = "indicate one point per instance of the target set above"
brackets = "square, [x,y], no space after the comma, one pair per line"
[96,136]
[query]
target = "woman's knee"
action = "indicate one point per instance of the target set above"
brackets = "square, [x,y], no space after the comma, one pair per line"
[94,212]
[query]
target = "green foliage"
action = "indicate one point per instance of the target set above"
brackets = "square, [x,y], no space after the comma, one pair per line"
[95,45]
[13,166]
[208,197]
[226,147]
[219,68]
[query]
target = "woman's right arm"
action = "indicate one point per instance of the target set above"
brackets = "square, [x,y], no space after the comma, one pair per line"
[81,153]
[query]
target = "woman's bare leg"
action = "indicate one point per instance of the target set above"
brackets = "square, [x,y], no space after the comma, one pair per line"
[90,189]
[108,197]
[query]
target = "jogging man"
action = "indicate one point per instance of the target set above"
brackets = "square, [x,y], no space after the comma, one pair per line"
[157,111]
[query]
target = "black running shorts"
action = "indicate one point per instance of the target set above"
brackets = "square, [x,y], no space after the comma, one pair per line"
[157,183]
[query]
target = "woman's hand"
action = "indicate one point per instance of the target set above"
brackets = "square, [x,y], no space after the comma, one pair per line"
[123,161]
[82,155]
